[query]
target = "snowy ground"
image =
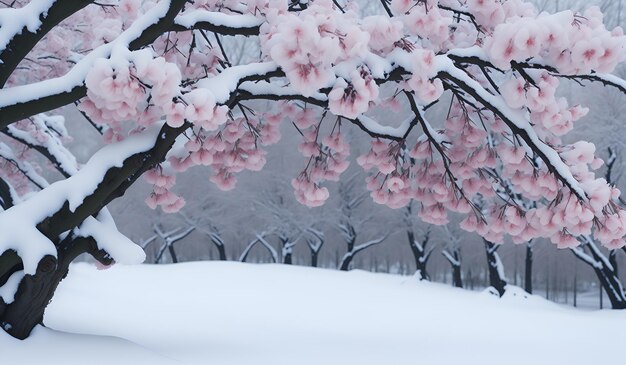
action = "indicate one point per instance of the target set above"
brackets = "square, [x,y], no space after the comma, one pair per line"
[232,313]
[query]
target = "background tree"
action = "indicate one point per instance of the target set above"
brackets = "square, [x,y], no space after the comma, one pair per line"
[419,246]
[350,225]
[452,253]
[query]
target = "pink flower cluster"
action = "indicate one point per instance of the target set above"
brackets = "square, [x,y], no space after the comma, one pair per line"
[161,194]
[229,151]
[424,20]
[140,89]
[547,110]
[422,81]
[352,99]
[328,158]
[572,43]
[307,44]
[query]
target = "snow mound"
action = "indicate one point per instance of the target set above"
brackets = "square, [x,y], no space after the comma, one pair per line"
[232,313]
[46,346]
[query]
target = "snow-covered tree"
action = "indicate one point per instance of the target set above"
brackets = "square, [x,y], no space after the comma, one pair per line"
[604,265]
[350,223]
[154,79]
[452,253]
[315,241]
[421,245]
[167,239]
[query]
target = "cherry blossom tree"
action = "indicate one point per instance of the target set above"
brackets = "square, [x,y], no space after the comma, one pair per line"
[154,79]
[604,265]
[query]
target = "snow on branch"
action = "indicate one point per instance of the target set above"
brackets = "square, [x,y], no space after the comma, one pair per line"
[19,102]
[225,24]
[517,122]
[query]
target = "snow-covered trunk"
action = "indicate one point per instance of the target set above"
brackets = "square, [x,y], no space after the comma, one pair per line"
[453,256]
[497,280]
[19,317]
[613,261]
[346,260]
[528,269]
[610,282]
[287,250]
[35,291]
[419,254]
[315,244]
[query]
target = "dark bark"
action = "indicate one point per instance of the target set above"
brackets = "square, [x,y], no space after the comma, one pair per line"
[346,260]
[288,259]
[493,263]
[35,291]
[20,45]
[6,200]
[457,280]
[419,254]
[454,258]
[608,278]
[221,252]
[613,261]
[288,254]
[172,251]
[528,273]
[314,258]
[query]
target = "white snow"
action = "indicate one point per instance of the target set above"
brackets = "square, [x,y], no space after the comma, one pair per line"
[190,18]
[8,290]
[46,346]
[13,21]
[225,83]
[18,224]
[232,313]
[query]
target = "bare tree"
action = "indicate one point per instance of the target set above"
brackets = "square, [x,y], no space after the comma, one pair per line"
[168,239]
[315,240]
[210,230]
[452,253]
[259,238]
[349,225]
[420,248]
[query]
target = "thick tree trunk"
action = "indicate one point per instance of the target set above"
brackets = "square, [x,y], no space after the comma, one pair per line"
[35,291]
[494,265]
[528,273]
